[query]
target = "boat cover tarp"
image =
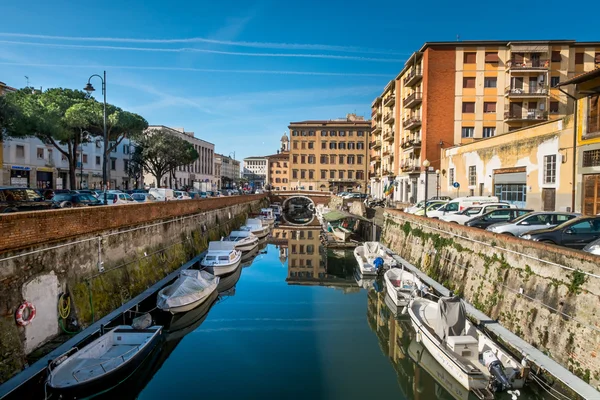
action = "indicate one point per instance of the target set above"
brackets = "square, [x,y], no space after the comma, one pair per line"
[338,215]
[221,246]
[187,288]
[451,317]
[254,222]
[371,249]
[239,234]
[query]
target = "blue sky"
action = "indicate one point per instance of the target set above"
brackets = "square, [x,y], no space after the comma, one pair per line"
[237,72]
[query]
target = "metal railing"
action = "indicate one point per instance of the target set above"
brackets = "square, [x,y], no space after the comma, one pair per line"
[413,76]
[412,99]
[526,115]
[541,90]
[528,64]
[389,101]
[411,121]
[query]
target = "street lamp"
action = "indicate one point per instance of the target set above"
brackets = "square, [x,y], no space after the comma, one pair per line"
[426,164]
[89,89]
[437,186]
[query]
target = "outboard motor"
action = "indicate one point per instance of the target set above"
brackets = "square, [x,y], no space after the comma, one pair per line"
[500,381]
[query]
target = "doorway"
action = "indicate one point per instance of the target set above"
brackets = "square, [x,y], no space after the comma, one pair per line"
[591,194]
[548,199]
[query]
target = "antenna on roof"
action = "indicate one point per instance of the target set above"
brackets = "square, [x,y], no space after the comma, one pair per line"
[26,77]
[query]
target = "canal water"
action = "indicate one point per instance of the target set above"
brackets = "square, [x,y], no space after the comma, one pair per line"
[293,322]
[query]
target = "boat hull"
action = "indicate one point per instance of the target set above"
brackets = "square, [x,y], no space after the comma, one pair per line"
[112,378]
[223,269]
[261,233]
[249,246]
[363,266]
[192,305]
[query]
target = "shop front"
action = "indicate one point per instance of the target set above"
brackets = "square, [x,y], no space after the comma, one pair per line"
[44,178]
[19,176]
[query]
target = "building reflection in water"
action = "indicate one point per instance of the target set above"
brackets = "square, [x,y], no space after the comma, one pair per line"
[420,376]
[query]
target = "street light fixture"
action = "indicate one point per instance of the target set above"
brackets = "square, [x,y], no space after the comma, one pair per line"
[89,89]
[437,186]
[426,164]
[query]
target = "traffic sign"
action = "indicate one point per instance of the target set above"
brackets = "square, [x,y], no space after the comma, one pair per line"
[456,185]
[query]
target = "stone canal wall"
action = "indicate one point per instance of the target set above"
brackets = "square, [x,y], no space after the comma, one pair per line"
[102,257]
[547,295]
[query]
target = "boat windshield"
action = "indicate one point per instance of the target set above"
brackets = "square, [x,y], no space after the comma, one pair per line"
[223,258]
[211,258]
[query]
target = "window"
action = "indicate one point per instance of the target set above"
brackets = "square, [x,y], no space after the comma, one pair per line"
[332,159]
[472,175]
[359,159]
[351,145]
[489,132]
[469,82]
[125,149]
[294,133]
[360,146]
[350,159]
[85,158]
[97,160]
[341,174]
[295,159]
[511,192]
[578,58]
[597,59]
[295,144]
[470,58]
[324,159]
[113,164]
[50,154]
[332,145]
[593,117]
[303,145]
[451,176]
[360,175]
[323,133]
[350,174]
[468,107]
[556,57]
[323,174]
[311,133]
[302,174]
[302,159]
[294,174]
[113,147]
[332,174]
[591,158]
[304,133]
[550,169]
[342,145]
[311,159]
[468,132]
[489,107]
[311,174]
[360,133]
[554,107]
[125,165]
[491,57]
[342,133]
[341,159]
[40,153]
[490,82]
[554,81]
[311,145]
[323,145]
[332,133]
[310,249]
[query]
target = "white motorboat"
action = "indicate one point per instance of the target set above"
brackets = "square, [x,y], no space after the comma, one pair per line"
[102,364]
[400,285]
[472,358]
[367,253]
[267,216]
[189,290]
[255,226]
[242,240]
[222,257]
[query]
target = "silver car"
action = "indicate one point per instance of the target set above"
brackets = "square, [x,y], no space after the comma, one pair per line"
[593,247]
[531,221]
[143,197]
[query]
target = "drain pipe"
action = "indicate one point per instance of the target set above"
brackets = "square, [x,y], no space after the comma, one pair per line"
[574,176]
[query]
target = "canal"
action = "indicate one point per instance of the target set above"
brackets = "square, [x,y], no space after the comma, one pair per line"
[294,321]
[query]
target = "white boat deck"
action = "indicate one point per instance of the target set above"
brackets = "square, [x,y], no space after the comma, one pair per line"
[534,355]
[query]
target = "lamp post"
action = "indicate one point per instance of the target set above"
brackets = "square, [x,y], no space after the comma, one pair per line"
[426,164]
[89,88]
[81,168]
[437,185]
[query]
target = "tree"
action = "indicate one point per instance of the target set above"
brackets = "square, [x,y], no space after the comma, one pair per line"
[160,153]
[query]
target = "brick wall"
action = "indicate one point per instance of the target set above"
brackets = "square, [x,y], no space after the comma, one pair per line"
[21,230]
[439,66]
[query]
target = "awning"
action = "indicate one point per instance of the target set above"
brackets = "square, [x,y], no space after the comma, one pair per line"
[517,178]
[337,215]
[492,58]
[529,48]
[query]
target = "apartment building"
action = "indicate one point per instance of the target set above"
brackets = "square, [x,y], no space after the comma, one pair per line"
[329,155]
[255,171]
[278,172]
[200,174]
[454,93]
[230,171]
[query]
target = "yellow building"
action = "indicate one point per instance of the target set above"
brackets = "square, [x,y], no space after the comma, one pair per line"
[278,171]
[586,88]
[329,155]
[452,93]
[529,167]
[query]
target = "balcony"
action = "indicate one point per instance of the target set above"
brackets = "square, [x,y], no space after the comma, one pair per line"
[530,65]
[376,129]
[413,77]
[376,159]
[341,180]
[388,135]
[411,122]
[376,144]
[386,153]
[413,99]
[390,101]
[524,115]
[535,91]
[412,143]
[409,167]
[389,118]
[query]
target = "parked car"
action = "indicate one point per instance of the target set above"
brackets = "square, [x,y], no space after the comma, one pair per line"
[531,222]
[420,205]
[117,198]
[68,200]
[446,198]
[14,199]
[203,195]
[593,247]
[432,205]
[472,212]
[575,233]
[162,194]
[460,203]
[181,195]
[143,197]
[495,216]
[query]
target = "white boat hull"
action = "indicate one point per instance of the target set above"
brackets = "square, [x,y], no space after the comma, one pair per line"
[363,265]
[261,233]
[400,295]
[192,305]
[222,269]
[247,246]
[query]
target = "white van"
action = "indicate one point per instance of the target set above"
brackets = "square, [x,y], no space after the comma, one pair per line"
[460,203]
[163,194]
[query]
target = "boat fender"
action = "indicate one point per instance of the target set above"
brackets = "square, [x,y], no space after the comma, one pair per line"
[500,381]
[19,315]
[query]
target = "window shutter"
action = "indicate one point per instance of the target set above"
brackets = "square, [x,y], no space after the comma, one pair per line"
[491,57]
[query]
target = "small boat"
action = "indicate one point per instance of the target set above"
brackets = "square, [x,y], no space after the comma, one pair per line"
[343,234]
[400,285]
[256,226]
[367,253]
[267,216]
[189,290]
[104,363]
[242,240]
[472,358]
[365,282]
[222,257]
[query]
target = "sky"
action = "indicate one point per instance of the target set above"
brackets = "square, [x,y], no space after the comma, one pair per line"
[238,72]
